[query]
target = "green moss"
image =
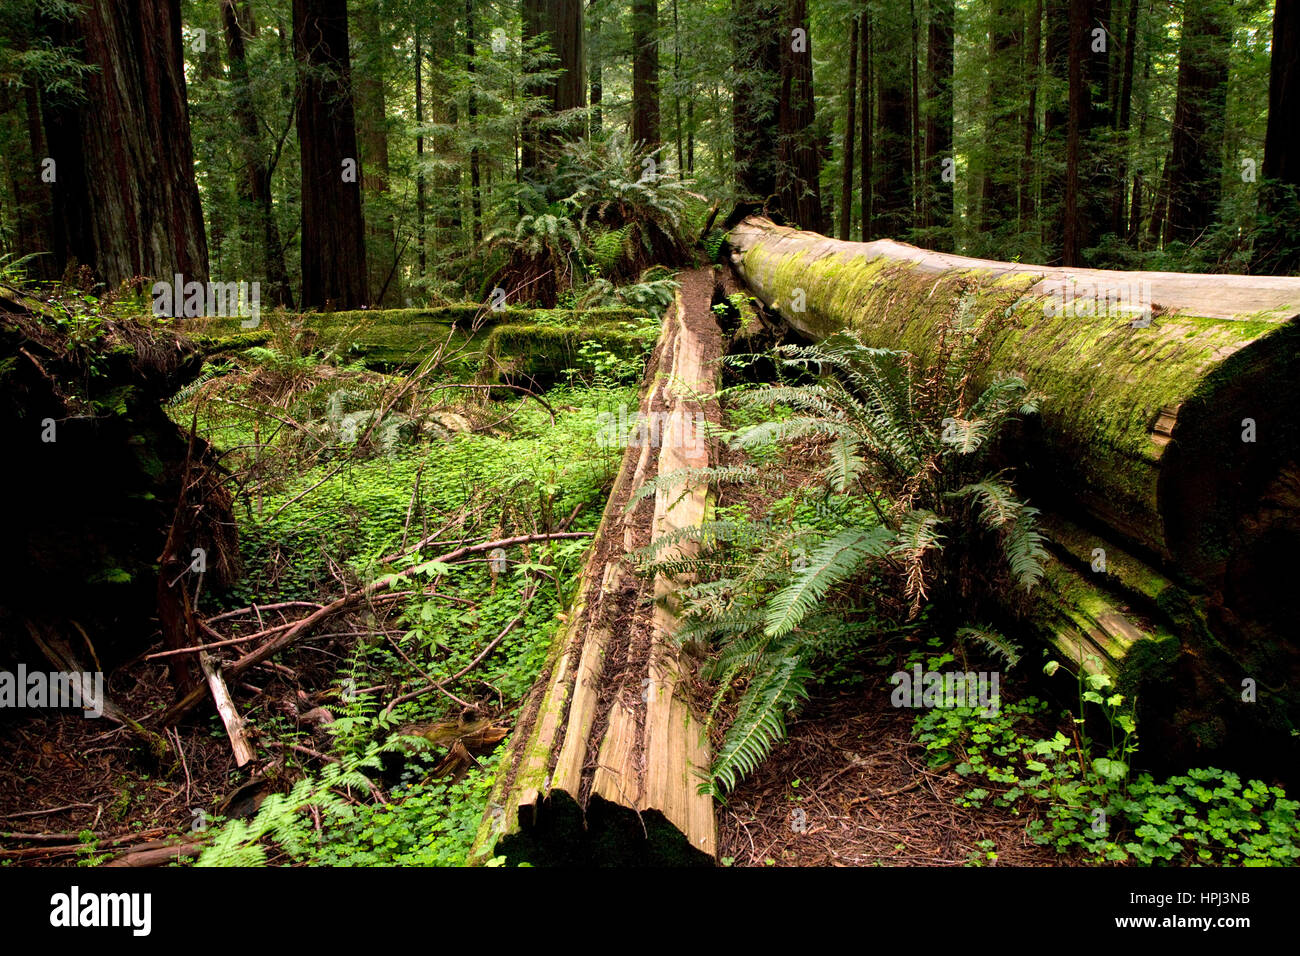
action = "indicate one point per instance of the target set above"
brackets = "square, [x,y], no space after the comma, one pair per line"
[1104,382]
[392,338]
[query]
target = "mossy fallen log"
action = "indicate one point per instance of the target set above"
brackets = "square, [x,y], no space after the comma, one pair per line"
[391,338]
[1167,418]
[536,355]
[606,760]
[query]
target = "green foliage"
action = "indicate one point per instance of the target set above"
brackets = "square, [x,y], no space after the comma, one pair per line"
[281,818]
[428,822]
[1091,806]
[907,502]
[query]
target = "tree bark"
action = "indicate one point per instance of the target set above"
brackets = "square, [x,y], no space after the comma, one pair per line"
[645,72]
[938,125]
[798,149]
[419,154]
[1278,248]
[373,133]
[1158,467]
[125,200]
[333,229]
[891,213]
[559,24]
[1196,148]
[255,188]
[850,124]
[594,66]
[756,29]
[866,148]
[1087,190]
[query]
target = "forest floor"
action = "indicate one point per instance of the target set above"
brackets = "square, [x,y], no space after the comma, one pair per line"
[850,787]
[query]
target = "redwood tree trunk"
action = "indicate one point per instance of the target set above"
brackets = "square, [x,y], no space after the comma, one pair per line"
[373,132]
[798,153]
[868,129]
[1087,188]
[559,23]
[850,123]
[1278,248]
[1197,144]
[757,34]
[645,72]
[891,214]
[125,200]
[938,124]
[256,185]
[333,229]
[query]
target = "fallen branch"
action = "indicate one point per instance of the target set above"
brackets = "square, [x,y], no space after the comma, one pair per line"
[226,708]
[299,628]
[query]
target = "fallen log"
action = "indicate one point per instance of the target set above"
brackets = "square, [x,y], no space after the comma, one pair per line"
[605,763]
[1167,422]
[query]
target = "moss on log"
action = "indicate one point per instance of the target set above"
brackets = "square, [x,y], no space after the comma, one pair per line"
[533,354]
[1168,420]
[393,338]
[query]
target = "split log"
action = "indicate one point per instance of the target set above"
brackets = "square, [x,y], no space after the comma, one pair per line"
[1167,417]
[606,761]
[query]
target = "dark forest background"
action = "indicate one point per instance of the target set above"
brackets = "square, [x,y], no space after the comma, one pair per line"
[385,152]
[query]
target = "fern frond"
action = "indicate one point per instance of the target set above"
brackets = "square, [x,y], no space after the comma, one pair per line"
[759,723]
[1024,549]
[995,501]
[993,641]
[834,561]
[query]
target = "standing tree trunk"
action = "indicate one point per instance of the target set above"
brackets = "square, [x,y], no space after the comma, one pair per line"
[645,72]
[125,200]
[373,120]
[798,150]
[1056,121]
[919,198]
[559,24]
[938,125]
[1196,149]
[595,53]
[891,214]
[850,122]
[475,194]
[866,148]
[1278,248]
[1124,118]
[256,186]
[333,229]
[758,56]
[998,178]
[1087,190]
[419,152]
[1033,59]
